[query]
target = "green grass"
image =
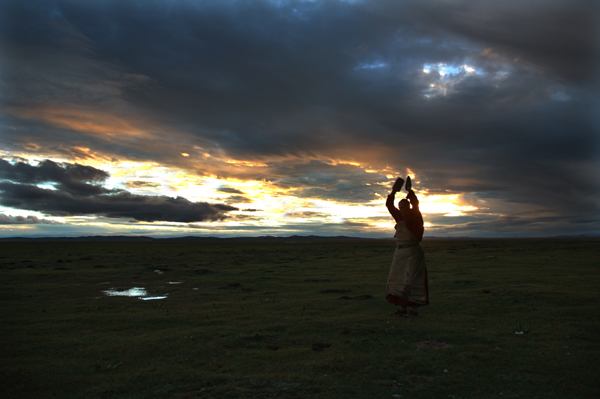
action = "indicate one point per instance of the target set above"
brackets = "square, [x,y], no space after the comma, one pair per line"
[247,320]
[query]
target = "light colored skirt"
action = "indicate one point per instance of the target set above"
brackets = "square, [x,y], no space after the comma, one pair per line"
[407,283]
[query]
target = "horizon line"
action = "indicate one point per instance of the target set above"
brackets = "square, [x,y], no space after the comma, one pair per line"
[121,237]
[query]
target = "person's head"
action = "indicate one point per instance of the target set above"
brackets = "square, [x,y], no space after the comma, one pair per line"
[404,207]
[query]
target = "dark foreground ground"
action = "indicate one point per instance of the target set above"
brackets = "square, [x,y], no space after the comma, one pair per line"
[295,320]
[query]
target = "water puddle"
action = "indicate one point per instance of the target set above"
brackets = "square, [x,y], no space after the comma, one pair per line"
[135,292]
[149,298]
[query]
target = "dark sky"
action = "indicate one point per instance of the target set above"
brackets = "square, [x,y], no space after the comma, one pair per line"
[492,107]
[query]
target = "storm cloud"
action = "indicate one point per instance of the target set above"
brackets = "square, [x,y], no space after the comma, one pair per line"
[495,101]
[73,179]
[9,219]
[72,195]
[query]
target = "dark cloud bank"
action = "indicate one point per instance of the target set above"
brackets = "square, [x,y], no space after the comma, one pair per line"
[325,79]
[76,194]
[8,219]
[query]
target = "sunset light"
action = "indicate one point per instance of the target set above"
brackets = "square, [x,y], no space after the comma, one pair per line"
[264,118]
[253,198]
[448,205]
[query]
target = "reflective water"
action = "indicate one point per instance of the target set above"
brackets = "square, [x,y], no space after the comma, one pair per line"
[136,292]
[149,298]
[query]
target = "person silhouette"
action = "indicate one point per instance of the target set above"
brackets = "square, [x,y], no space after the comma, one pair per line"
[407,284]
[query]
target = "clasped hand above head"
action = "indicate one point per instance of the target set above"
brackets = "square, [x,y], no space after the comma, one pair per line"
[397,185]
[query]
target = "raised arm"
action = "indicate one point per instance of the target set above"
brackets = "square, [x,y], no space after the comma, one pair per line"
[395,212]
[412,198]
[389,203]
[414,219]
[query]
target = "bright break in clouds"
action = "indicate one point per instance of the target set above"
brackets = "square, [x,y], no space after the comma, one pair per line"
[295,117]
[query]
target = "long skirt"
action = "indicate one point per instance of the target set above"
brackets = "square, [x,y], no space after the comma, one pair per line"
[407,283]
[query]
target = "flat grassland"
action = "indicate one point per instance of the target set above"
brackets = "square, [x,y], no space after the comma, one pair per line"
[298,319]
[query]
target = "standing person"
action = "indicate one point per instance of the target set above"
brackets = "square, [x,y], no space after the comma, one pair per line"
[407,284]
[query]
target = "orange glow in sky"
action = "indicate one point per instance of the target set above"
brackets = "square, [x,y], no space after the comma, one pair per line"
[259,203]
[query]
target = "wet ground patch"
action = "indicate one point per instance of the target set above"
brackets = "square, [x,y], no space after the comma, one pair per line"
[282,337]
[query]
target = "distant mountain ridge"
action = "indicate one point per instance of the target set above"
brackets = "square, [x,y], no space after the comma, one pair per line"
[185,238]
[294,238]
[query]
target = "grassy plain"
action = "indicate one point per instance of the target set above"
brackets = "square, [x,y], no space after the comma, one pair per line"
[295,320]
